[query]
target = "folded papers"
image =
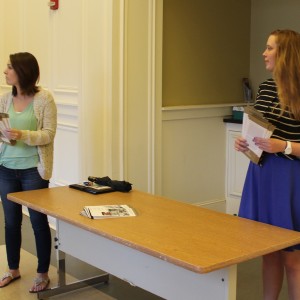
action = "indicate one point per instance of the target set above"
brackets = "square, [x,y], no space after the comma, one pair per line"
[255,125]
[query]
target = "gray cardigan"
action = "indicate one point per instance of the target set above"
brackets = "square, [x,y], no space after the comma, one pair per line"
[45,111]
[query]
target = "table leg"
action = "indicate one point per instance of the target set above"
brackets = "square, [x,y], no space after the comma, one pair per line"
[62,287]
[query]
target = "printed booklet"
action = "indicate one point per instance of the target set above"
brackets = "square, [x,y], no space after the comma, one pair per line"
[108,211]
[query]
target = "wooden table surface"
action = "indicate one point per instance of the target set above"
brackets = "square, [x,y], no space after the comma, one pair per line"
[192,237]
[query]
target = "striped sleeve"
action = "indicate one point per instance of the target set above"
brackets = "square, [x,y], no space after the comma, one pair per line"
[287,128]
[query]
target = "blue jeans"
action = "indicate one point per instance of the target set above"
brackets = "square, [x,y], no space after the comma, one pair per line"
[24,180]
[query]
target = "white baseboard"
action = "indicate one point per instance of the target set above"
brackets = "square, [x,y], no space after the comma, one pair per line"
[217,205]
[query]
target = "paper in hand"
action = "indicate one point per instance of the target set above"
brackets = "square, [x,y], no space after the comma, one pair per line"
[5,124]
[254,125]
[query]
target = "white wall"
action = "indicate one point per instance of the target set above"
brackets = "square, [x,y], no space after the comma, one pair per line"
[74,48]
[102,60]
[193,154]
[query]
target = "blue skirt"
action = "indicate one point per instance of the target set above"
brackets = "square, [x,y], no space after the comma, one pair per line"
[271,193]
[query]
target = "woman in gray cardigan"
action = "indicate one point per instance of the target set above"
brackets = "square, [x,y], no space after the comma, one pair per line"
[26,161]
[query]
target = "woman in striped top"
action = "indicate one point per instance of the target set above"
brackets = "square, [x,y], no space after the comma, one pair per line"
[271,191]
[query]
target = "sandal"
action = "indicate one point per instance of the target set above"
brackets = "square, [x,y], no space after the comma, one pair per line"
[12,279]
[40,284]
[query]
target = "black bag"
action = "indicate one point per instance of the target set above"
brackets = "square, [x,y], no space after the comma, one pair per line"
[117,185]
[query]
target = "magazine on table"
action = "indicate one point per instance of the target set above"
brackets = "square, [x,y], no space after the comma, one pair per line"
[108,211]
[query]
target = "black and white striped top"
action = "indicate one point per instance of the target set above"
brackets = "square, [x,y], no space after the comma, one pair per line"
[267,102]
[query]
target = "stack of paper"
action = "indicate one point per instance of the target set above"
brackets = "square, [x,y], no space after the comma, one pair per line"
[255,125]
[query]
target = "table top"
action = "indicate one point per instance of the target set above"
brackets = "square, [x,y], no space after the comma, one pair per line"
[195,238]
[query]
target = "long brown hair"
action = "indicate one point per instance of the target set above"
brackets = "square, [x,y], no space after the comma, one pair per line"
[27,69]
[287,70]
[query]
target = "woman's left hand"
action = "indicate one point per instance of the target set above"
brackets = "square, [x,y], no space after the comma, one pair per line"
[270,145]
[13,134]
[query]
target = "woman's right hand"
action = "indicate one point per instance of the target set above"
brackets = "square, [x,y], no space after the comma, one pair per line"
[241,144]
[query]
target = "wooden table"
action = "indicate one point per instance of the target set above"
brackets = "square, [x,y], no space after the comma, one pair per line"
[172,249]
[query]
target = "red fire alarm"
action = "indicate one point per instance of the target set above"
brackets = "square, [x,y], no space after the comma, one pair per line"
[53,4]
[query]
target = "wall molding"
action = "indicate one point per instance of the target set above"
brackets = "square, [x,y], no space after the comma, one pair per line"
[198,111]
[151,95]
[214,204]
[67,90]
[67,127]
